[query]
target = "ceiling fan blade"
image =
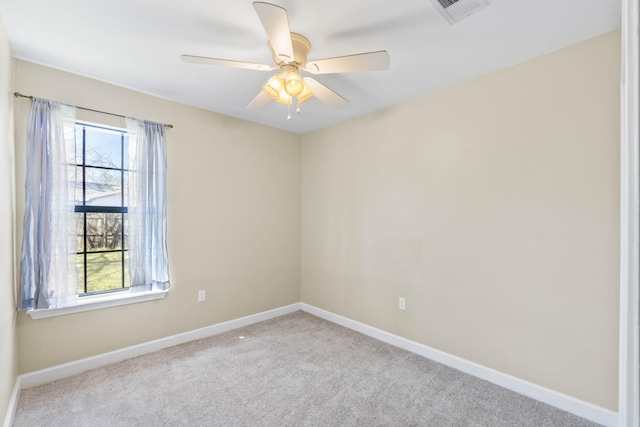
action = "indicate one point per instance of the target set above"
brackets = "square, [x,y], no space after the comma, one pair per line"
[276,24]
[259,101]
[370,61]
[325,94]
[225,63]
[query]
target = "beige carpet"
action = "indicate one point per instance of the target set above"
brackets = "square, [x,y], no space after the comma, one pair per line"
[295,370]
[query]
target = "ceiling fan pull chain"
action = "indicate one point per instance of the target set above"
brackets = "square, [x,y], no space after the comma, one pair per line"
[298,105]
[289,112]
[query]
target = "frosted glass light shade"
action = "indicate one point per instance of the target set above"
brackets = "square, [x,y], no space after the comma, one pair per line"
[274,86]
[294,85]
[305,95]
[284,98]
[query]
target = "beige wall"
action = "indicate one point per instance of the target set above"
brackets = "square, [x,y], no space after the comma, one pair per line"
[492,207]
[233,221]
[8,346]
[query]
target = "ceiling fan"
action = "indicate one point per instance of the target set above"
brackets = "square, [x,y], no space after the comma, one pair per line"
[289,51]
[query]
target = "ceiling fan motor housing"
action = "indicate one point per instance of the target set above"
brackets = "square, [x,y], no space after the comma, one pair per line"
[301,48]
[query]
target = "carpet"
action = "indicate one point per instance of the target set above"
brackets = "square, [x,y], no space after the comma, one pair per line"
[294,370]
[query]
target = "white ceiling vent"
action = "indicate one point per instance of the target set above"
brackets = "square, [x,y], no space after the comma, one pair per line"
[455,10]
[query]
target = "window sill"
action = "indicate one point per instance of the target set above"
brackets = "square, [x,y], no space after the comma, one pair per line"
[97,302]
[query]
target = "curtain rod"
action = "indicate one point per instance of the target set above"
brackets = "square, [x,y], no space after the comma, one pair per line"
[19,95]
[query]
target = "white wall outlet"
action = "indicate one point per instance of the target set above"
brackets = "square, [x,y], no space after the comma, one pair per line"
[202,296]
[401,304]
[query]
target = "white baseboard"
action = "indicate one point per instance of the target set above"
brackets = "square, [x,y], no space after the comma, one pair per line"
[60,371]
[13,403]
[562,401]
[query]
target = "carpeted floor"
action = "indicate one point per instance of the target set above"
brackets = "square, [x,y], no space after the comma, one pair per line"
[295,370]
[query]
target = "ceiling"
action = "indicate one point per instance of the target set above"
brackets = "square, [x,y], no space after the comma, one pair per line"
[137,44]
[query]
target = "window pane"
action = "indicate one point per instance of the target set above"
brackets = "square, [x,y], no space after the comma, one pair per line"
[126,231]
[126,152]
[77,186]
[80,267]
[113,230]
[80,231]
[104,231]
[74,183]
[127,282]
[125,181]
[103,148]
[78,146]
[103,187]
[104,271]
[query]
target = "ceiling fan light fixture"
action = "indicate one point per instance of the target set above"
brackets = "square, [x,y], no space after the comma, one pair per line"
[305,95]
[274,86]
[293,84]
[284,97]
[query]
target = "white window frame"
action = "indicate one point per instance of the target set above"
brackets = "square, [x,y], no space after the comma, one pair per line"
[96,302]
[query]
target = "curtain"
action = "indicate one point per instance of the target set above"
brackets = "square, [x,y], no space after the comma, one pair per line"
[48,274]
[147,204]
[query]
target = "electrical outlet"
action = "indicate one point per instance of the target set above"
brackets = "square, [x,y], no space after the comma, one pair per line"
[401,304]
[202,296]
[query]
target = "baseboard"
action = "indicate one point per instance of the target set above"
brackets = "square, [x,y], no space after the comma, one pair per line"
[561,401]
[566,403]
[64,370]
[13,403]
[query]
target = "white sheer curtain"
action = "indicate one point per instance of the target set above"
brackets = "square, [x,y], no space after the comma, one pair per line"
[147,204]
[48,275]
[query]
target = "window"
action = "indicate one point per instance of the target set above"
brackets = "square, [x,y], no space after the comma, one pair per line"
[101,176]
[95,213]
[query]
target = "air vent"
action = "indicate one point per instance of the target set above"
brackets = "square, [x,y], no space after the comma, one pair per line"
[455,10]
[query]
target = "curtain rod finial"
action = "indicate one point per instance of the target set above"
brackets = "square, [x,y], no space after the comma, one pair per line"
[19,95]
